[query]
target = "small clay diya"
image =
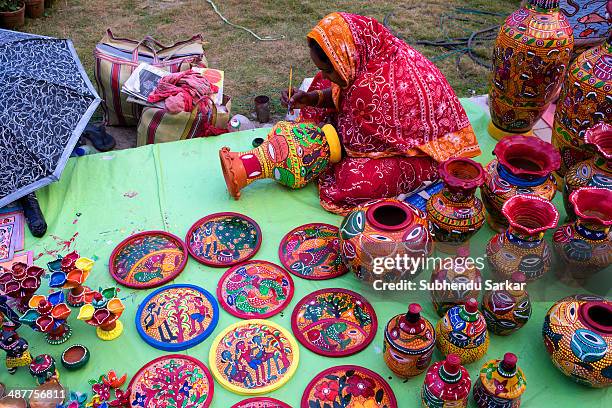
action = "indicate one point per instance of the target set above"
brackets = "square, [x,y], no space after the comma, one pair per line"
[255,290]
[148,259]
[48,395]
[223,239]
[10,402]
[261,402]
[312,251]
[75,357]
[334,322]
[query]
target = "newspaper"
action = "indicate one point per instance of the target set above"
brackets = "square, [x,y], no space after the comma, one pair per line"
[143,82]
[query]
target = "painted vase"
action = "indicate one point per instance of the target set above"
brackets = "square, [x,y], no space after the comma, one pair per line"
[523,166]
[501,383]
[507,310]
[586,100]
[379,229]
[594,172]
[409,343]
[530,59]
[456,272]
[522,246]
[454,212]
[577,334]
[293,155]
[43,369]
[584,247]
[463,331]
[447,384]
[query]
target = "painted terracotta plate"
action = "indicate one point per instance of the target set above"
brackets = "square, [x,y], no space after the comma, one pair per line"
[255,290]
[334,322]
[254,357]
[169,380]
[261,402]
[223,239]
[348,385]
[312,251]
[148,259]
[177,317]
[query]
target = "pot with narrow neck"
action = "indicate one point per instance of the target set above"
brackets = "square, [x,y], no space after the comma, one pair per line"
[447,384]
[487,391]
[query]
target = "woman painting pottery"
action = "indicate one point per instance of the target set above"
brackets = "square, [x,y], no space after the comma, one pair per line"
[396,114]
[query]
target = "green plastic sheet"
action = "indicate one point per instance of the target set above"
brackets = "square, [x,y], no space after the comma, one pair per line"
[101,199]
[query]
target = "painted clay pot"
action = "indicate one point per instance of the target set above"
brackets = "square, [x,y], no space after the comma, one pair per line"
[522,246]
[293,155]
[507,310]
[43,369]
[530,59]
[447,384]
[594,172]
[586,100]
[577,334]
[584,247]
[103,313]
[454,212]
[48,395]
[523,166]
[501,383]
[49,315]
[409,343]
[461,273]
[463,331]
[75,357]
[381,229]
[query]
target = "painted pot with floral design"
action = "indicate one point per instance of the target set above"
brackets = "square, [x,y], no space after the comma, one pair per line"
[577,334]
[447,384]
[460,272]
[507,310]
[522,246]
[103,313]
[454,212]
[523,166]
[71,272]
[384,228]
[463,331]
[20,283]
[293,155]
[409,343]
[584,247]
[585,101]
[49,314]
[593,172]
[531,56]
[43,369]
[501,383]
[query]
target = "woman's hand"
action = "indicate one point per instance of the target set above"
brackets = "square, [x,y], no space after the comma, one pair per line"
[299,99]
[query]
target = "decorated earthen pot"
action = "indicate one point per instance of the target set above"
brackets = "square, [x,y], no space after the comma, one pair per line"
[501,383]
[447,384]
[584,247]
[530,59]
[380,229]
[523,166]
[409,343]
[522,246]
[43,368]
[455,213]
[593,172]
[577,334]
[463,331]
[507,310]
[586,100]
[292,155]
[454,281]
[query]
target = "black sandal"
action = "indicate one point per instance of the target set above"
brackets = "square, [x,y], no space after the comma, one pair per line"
[96,133]
[33,215]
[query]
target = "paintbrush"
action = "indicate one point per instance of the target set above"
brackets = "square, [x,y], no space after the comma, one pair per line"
[290,86]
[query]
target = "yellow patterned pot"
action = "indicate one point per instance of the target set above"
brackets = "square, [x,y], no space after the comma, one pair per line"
[501,383]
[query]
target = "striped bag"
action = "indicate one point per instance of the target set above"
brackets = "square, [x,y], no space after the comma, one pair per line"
[116,59]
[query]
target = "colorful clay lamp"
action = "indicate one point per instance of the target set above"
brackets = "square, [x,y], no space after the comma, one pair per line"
[101,390]
[293,155]
[20,283]
[75,357]
[71,272]
[104,312]
[48,314]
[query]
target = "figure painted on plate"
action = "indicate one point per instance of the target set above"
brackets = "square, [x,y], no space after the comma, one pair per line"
[235,371]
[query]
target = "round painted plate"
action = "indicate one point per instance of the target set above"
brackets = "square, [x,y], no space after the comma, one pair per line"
[334,322]
[177,317]
[255,290]
[261,402]
[223,239]
[254,357]
[148,259]
[338,385]
[169,380]
[312,251]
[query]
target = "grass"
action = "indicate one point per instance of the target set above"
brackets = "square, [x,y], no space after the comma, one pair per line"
[254,67]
